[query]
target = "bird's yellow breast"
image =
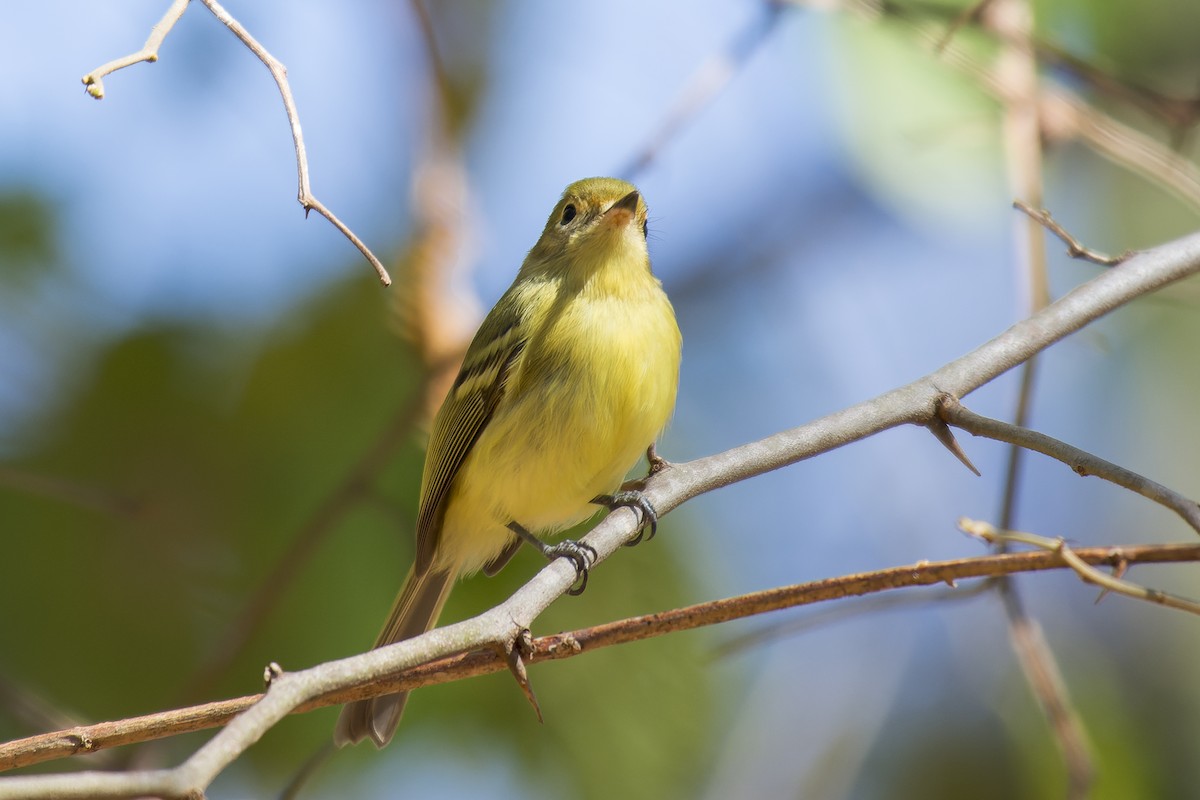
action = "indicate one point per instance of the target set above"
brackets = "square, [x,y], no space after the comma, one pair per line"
[593,387]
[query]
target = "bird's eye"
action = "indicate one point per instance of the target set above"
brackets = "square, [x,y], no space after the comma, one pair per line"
[646,229]
[568,213]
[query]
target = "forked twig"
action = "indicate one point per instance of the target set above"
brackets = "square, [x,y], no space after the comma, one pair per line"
[1110,583]
[149,53]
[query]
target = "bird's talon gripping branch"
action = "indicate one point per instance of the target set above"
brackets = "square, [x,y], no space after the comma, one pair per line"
[581,556]
[640,503]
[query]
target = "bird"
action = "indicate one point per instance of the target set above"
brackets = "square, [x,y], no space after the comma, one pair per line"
[572,375]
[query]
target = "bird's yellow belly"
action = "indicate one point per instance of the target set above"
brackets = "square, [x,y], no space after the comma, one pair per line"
[578,431]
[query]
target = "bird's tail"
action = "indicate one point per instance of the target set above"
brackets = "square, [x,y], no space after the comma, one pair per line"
[415,611]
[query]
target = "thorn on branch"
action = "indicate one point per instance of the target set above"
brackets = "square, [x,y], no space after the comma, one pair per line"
[1118,571]
[515,655]
[941,431]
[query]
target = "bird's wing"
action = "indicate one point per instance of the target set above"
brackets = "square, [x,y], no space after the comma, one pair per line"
[464,414]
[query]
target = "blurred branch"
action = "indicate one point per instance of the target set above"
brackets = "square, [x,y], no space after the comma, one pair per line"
[439,311]
[149,53]
[69,492]
[1016,75]
[502,626]
[1179,114]
[1074,560]
[35,712]
[1080,461]
[60,744]
[709,79]
[1064,115]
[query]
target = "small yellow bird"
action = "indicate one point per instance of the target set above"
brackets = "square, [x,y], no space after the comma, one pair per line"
[570,377]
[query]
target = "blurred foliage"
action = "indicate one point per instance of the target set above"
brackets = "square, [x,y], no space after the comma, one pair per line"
[28,237]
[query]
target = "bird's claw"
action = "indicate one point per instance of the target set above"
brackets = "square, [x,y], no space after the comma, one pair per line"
[632,498]
[581,556]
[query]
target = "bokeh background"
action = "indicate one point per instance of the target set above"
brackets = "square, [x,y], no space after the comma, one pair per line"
[193,377]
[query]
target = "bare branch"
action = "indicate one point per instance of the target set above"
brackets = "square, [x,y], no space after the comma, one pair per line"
[1080,461]
[278,71]
[105,735]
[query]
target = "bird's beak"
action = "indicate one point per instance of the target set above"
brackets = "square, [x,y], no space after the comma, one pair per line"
[628,204]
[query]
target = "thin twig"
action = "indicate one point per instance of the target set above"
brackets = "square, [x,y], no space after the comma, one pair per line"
[279,73]
[1080,461]
[1085,570]
[1074,248]
[149,53]
[104,735]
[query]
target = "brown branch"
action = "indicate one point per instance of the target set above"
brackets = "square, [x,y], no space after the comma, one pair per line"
[92,738]
[1074,248]
[852,608]
[149,53]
